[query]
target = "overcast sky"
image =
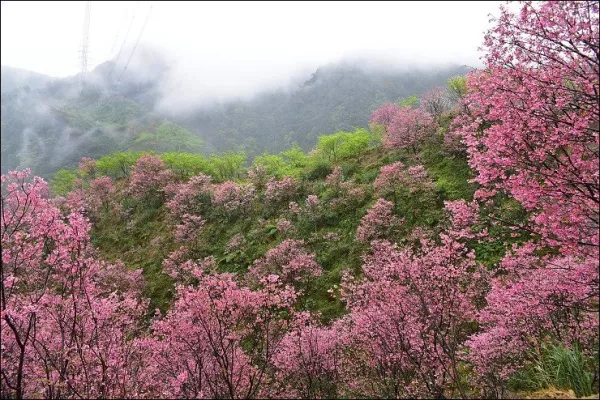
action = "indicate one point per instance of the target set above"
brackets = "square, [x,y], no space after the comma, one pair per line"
[236,48]
[46,36]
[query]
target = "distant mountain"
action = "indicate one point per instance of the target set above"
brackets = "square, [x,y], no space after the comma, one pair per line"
[48,124]
[15,78]
[52,128]
[336,97]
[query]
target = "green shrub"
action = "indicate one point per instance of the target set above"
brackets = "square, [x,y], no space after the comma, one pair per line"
[62,183]
[168,137]
[319,171]
[343,145]
[188,164]
[274,165]
[118,165]
[349,169]
[229,165]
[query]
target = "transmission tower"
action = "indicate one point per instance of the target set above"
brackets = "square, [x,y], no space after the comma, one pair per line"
[85,44]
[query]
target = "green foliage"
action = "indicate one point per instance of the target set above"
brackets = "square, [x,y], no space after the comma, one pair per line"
[355,144]
[274,165]
[186,165]
[168,137]
[118,165]
[490,253]
[94,110]
[318,170]
[560,367]
[112,110]
[288,163]
[296,157]
[342,145]
[62,183]
[131,240]
[451,174]
[408,102]
[350,168]
[229,165]
[328,146]
[377,134]
[457,87]
[419,208]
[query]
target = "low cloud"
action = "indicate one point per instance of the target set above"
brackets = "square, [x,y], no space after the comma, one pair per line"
[217,52]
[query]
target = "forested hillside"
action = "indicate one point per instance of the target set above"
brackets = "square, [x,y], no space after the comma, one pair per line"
[16,78]
[449,249]
[50,128]
[46,134]
[335,97]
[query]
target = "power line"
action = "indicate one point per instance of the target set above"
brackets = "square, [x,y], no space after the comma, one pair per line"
[118,33]
[136,44]
[85,44]
[125,40]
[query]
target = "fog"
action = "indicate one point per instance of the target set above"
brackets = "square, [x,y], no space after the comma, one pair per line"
[218,51]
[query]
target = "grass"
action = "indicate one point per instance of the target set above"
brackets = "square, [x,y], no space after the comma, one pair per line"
[558,367]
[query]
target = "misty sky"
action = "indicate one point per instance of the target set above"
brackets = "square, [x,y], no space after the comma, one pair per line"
[226,48]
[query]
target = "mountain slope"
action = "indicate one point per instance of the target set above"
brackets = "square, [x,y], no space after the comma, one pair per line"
[47,133]
[15,78]
[53,127]
[336,97]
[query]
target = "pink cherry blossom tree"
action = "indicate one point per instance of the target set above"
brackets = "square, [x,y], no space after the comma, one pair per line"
[395,176]
[391,179]
[100,196]
[149,177]
[191,197]
[88,168]
[290,260]
[534,129]
[409,128]
[435,102]
[379,223]
[233,199]
[189,228]
[218,339]
[257,175]
[405,127]
[67,319]
[532,132]
[409,317]
[334,180]
[308,361]
[385,114]
[534,299]
[281,191]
